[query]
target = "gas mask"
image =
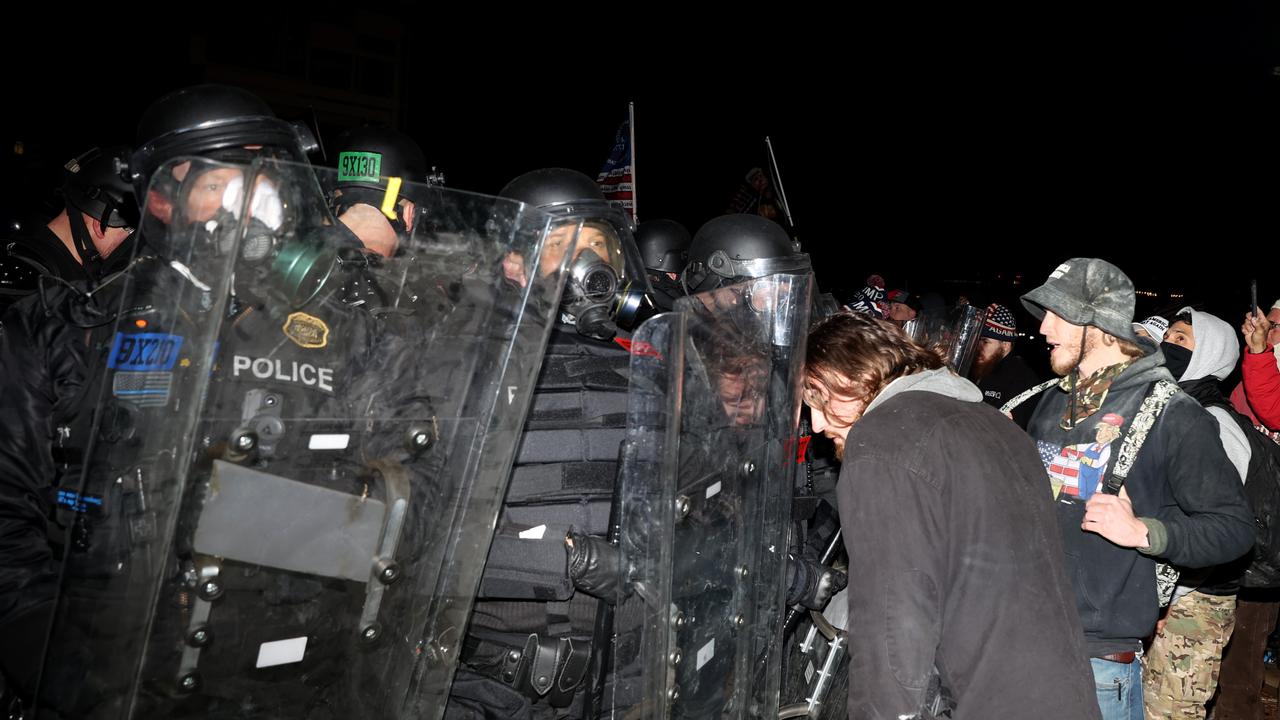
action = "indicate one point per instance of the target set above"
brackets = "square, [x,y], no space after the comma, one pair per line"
[605,289]
[273,255]
[268,220]
[589,296]
[207,224]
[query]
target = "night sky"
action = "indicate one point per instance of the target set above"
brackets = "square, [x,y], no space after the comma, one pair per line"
[928,146]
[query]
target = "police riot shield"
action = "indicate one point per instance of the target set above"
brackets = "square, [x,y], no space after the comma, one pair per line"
[706,484]
[955,335]
[304,435]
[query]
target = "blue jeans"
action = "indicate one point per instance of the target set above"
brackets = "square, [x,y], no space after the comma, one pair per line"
[1119,688]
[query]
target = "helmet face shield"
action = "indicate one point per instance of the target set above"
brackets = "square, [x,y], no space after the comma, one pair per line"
[594,240]
[720,270]
[731,248]
[190,198]
[205,189]
[606,286]
[197,209]
[235,140]
[604,242]
[596,265]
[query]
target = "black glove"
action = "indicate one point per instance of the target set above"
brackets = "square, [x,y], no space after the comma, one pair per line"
[593,565]
[812,584]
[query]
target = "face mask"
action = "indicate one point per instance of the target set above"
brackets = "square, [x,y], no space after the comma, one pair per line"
[1176,358]
[665,290]
[590,294]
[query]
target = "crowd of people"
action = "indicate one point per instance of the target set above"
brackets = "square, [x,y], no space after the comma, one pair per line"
[1067,541]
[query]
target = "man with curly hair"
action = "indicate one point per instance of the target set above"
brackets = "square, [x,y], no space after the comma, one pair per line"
[962,601]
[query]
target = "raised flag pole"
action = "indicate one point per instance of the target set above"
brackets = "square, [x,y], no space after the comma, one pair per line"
[773,170]
[635,204]
[617,176]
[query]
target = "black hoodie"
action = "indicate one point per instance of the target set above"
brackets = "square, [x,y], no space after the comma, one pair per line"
[1181,485]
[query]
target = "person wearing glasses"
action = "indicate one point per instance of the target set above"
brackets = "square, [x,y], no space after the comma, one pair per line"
[962,601]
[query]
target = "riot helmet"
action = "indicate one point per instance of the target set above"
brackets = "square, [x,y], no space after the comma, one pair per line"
[94,186]
[214,121]
[204,136]
[732,248]
[383,168]
[664,246]
[606,288]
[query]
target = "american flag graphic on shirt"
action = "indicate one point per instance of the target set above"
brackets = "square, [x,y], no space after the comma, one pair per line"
[1065,465]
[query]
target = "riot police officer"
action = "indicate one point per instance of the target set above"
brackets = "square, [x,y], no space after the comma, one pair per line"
[99,215]
[365,198]
[704,536]
[737,248]
[57,347]
[664,245]
[278,502]
[732,249]
[381,177]
[531,632]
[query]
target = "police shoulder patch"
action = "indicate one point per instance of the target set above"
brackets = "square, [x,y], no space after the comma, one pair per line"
[144,352]
[306,331]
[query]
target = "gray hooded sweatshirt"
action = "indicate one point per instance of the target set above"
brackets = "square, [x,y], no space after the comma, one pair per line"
[1216,355]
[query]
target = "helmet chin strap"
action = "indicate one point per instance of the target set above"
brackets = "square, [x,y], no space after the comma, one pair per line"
[89,257]
[703,274]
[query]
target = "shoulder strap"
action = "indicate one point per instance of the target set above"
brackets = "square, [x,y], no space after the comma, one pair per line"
[1152,405]
[1027,394]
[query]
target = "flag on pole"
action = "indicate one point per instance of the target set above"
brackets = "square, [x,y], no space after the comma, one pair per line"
[755,196]
[615,179]
[760,192]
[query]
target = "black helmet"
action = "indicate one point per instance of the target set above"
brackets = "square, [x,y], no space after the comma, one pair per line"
[663,244]
[94,186]
[606,288]
[560,191]
[368,155]
[216,121]
[732,248]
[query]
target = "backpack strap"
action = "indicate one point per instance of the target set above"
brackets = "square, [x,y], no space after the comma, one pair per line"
[1152,405]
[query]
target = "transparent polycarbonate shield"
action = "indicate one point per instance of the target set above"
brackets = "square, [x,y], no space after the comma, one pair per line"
[305,431]
[955,335]
[707,480]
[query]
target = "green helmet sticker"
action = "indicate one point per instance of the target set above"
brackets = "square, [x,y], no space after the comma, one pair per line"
[359,167]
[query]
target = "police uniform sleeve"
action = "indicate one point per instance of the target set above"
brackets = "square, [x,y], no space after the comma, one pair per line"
[27,569]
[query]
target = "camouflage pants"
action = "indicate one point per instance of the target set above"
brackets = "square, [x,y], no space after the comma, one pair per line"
[1181,674]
